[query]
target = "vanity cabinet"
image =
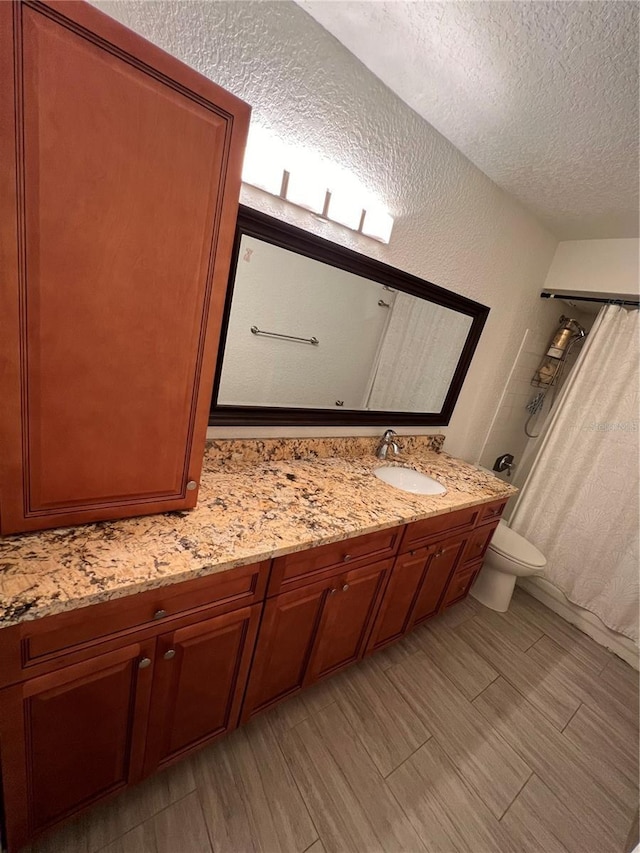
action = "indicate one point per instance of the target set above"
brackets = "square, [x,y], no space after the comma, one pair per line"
[415,589]
[95,710]
[439,560]
[73,737]
[470,562]
[440,568]
[460,584]
[311,632]
[302,567]
[199,679]
[118,199]
[95,699]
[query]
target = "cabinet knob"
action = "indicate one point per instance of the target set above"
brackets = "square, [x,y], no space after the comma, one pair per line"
[345,587]
[191,485]
[346,558]
[333,590]
[169,654]
[159,614]
[144,663]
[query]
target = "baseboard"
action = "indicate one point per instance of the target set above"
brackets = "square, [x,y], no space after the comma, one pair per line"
[586,621]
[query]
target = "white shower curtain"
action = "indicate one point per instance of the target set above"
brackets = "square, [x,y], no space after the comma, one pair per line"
[418,356]
[579,504]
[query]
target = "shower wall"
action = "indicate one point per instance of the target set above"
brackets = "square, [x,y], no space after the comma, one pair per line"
[507,431]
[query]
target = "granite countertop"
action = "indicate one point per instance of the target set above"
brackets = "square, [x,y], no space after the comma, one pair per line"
[257,500]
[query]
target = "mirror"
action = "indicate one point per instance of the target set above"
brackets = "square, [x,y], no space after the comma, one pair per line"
[315,333]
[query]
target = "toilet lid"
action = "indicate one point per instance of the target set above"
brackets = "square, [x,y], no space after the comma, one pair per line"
[510,544]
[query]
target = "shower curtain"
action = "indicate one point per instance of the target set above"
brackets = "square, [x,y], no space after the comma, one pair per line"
[579,504]
[418,356]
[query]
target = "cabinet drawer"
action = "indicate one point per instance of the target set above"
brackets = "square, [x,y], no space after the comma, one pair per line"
[492,511]
[478,543]
[440,526]
[47,637]
[303,567]
[460,584]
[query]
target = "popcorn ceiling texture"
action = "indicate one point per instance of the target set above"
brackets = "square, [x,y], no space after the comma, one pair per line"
[453,227]
[542,96]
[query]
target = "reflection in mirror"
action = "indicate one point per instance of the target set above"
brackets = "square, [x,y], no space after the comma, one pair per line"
[305,334]
[317,334]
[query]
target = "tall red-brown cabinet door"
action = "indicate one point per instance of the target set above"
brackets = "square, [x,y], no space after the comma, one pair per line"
[394,616]
[441,566]
[118,199]
[289,630]
[73,737]
[352,603]
[200,679]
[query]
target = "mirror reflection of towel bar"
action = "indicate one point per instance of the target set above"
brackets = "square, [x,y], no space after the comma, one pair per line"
[256,331]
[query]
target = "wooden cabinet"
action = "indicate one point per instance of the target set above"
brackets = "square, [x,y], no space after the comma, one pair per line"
[196,695]
[415,590]
[439,560]
[39,646]
[351,606]
[118,200]
[73,737]
[395,615]
[97,698]
[439,527]
[303,567]
[126,702]
[440,567]
[460,584]
[289,628]
[470,562]
[311,632]
[478,542]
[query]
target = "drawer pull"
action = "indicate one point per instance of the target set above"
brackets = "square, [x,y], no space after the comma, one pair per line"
[169,654]
[159,614]
[345,587]
[346,558]
[144,663]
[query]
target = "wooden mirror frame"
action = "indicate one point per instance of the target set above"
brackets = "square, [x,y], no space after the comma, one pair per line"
[259,225]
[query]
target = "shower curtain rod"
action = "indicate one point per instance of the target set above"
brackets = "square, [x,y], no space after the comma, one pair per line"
[546,295]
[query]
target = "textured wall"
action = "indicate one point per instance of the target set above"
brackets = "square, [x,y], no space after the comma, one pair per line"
[453,225]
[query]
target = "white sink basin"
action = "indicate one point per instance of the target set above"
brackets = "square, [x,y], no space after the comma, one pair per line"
[409,480]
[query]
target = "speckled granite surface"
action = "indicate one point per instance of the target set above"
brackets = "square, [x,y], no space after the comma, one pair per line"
[345,447]
[248,511]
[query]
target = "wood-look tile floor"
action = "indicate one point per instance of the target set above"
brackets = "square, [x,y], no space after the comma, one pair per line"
[480,732]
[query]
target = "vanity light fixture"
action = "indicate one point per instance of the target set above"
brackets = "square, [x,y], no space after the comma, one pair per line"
[307,181]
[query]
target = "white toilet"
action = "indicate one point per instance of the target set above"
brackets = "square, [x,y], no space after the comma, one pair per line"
[509,556]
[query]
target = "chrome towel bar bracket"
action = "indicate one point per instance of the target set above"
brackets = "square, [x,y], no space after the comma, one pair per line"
[256,331]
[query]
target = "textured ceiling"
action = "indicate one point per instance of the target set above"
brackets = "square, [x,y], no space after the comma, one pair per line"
[542,96]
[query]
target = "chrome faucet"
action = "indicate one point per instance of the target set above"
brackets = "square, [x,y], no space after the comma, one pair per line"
[388,443]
